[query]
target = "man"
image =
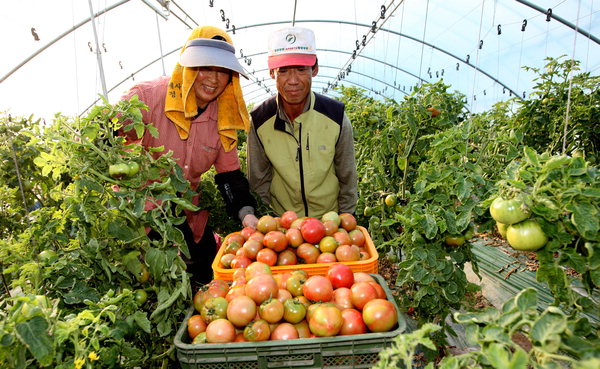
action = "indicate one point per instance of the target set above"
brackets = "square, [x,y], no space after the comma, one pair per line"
[300,144]
[197,111]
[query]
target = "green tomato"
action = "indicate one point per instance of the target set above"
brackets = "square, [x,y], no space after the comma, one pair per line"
[502,229]
[118,171]
[455,240]
[391,200]
[140,296]
[508,211]
[134,168]
[144,274]
[526,236]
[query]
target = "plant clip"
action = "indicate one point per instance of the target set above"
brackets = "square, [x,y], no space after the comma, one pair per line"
[90,46]
[242,53]
[457,66]
[233,28]
[120,65]
[227,23]
[210,3]
[382,12]
[503,90]
[37,38]
[480,44]
[104,47]
[523,94]
[357,45]
[524,25]
[364,40]
[468,58]
[484,93]
[222,15]
[499,29]
[549,15]
[374,27]
[442,71]
[474,97]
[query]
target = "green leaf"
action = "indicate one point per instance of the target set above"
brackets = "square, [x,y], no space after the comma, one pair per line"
[531,156]
[429,226]
[402,163]
[119,228]
[157,262]
[551,323]
[585,219]
[526,300]
[34,335]
[497,355]
[520,360]
[142,321]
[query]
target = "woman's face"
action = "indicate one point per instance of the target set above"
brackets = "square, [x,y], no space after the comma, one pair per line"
[210,83]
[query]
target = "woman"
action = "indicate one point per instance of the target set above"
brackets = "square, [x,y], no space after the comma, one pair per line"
[197,111]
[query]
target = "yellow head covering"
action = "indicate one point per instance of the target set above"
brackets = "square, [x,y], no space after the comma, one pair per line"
[181,107]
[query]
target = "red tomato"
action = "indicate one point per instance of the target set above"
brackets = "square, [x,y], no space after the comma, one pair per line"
[281,278]
[352,322]
[283,295]
[271,310]
[380,315]
[312,230]
[241,310]
[341,298]
[233,245]
[294,237]
[293,311]
[318,289]
[258,236]
[330,227]
[357,237]
[226,260]
[275,240]
[195,325]
[340,275]
[348,222]
[287,218]
[380,291]
[214,308]
[240,261]
[240,337]
[198,300]
[234,292]
[326,257]
[266,223]
[303,330]
[220,331]
[284,331]
[287,257]
[267,256]
[251,248]
[246,232]
[220,285]
[256,268]
[342,238]
[261,288]
[297,223]
[363,277]
[347,253]
[326,321]
[361,293]
[257,330]
[238,273]
[308,253]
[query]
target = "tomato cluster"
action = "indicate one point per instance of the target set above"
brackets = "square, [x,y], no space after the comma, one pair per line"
[261,306]
[513,223]
[290,240]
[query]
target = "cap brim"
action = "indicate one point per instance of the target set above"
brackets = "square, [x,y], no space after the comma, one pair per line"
[209,56]
[287,60]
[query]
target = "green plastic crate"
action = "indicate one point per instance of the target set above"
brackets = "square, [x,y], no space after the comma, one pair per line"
[353,351]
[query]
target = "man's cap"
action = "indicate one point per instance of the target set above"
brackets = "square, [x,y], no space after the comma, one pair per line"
[206,52]
[292,46]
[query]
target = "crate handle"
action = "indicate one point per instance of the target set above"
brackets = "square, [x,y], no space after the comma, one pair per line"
[291,364]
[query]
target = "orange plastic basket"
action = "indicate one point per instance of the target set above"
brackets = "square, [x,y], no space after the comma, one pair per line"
[367,266]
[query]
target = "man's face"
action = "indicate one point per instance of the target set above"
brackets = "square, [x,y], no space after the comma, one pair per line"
[294,82]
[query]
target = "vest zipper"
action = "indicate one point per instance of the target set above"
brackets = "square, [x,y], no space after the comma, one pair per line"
[302,189]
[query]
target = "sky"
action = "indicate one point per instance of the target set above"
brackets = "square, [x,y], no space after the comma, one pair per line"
[73,63]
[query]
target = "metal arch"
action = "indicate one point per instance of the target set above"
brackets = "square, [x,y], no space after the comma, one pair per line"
[561,20]
[330,77]
[60,37]
[395,33]
[359,56]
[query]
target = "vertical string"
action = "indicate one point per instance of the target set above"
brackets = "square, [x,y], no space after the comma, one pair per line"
[423,43]
[398,49]
[162,55]
[567,113]
[294,17]
[477,55]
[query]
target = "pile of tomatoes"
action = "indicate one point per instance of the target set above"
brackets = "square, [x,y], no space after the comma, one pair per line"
[261,306]
[291,240]
[513,223]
